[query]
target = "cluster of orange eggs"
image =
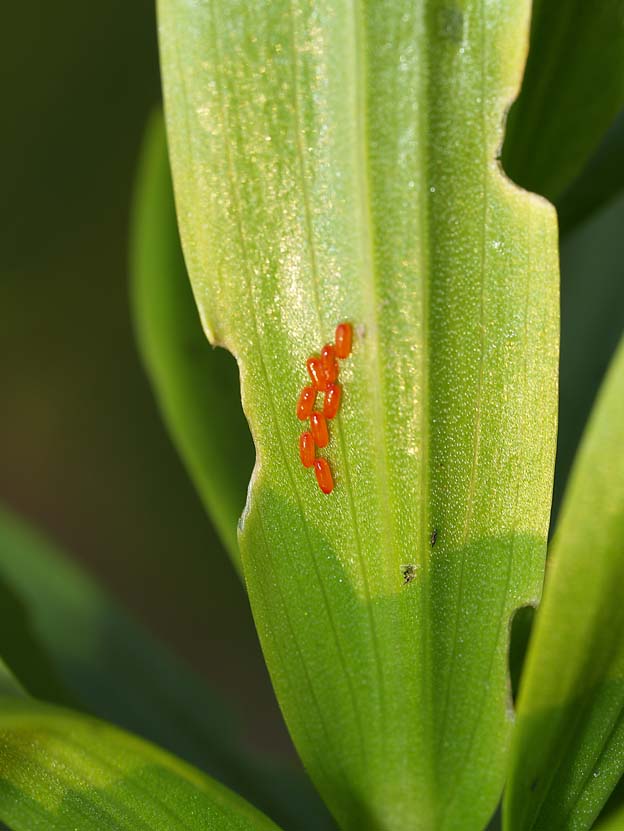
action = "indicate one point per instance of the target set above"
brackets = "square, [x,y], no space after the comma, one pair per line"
[323,372]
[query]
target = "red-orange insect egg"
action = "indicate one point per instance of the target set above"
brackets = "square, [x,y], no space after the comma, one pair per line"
[323,475]
[344,336]
[329,363]
[331,404]
[305,405]
[315,369]
[320,432]
[306,449]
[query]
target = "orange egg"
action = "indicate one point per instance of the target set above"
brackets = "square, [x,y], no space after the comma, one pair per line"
[316,372]
[306,449]
[329,363]
[344,337]
[320,433]
[305,405]
[331,404]
[323,475]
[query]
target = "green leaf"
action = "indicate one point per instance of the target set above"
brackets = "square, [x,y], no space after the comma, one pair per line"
[568,750]
[101,659]
[337,161]
[572,90]
[519,637]
[615,803]
[199,394]
[592,303]
[60,771]
[615,822]
[197,386]
[601,180]
[21,647]
[9,685]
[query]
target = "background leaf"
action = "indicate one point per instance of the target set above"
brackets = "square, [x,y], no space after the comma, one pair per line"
[592,321]
[60,771]
[569,738]
[197,386]
[612,817]
[613,823]
[600,182]
[614,807]
[572,90]
[336,161]
[83,648]
[9,685]
[84,451]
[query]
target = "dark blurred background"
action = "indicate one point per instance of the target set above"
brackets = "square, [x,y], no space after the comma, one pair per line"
[84,455]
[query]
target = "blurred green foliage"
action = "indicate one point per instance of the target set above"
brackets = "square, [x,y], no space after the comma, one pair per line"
[84,453]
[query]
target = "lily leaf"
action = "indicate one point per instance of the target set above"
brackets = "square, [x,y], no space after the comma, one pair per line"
[9,685]
[197,386]
[600,182]
[60,771]
[76,644]
[614,821]
[592,299]
[614,805]
[337,162]
[569,740]
[549,136]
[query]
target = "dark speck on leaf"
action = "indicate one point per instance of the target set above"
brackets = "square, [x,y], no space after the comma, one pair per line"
[409,573]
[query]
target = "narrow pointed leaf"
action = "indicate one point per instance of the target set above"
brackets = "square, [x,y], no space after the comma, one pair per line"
[84,648]
[337,161]
[572,90]
[197,386]
[60,771]
[568,749]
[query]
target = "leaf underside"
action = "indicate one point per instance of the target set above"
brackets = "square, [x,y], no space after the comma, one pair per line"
[337,161]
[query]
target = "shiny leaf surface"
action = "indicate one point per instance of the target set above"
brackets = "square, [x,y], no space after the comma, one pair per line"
[60,771]
[337,161]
